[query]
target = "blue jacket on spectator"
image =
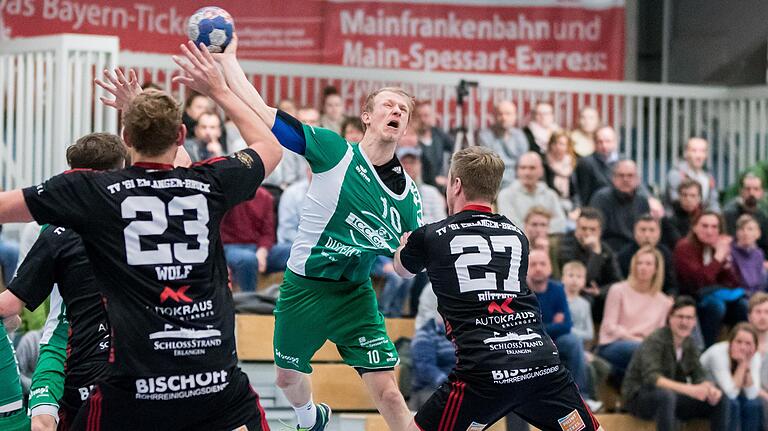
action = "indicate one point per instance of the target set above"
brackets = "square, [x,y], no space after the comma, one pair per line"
[433,356]
[551,302]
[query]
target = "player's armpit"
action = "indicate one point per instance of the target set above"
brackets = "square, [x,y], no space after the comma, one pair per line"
[13,207]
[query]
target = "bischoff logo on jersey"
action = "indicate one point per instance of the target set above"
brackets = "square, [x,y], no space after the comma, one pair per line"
[503,377]
[181,386]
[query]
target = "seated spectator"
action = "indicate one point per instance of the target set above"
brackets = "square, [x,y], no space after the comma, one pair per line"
[647,232]
[432,201]
[505,138]
[541,127]
[633,309]
[436,145]
[558,168]
[623,201]
[665,381]
[574,281]
[735,368]
[705,271]
[333,110]
[584,136]
[556,316]
[433,358]
[529,191]
[750,201]
[748,258]
[396,288]
[195,105]
[309,116]
[248,232]
[684,210]
[594,172]
[352,129]
[288,106]
[289,215]
[206,142]
[584,244]
[758,318]
[693,167]
[536,228]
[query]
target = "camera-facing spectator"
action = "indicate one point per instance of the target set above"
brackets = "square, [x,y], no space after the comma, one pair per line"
[195,105]
[288,106]
[705,270]
[536,228]
[333,110]
[685,209]
[559,163]
[574,282]
[693,167]
[584,136]
[633,309]
[647,232]
[595,171]
[750,201]
[623,201]
[541,127]
[505,138]
[734,365]
[665,381]
[436,145]
[206,142]
[748,258]
[528,191]
[352,129]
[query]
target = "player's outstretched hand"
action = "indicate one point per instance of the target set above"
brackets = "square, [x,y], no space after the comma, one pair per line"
[404,239]
[124,89]
[230,52]
[200,72]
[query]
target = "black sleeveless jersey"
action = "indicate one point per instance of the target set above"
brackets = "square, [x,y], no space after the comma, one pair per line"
[477,263]
[151,233]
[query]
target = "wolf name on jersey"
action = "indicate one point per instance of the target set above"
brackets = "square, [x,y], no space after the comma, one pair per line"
[59,257]
[477,264]
[349,215]
[152,235]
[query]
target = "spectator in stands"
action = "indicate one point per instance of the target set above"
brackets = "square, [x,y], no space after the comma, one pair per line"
[560,162]
[748,258]
[594,171]
[623,201]
[758,318]
[333,110]
[505,138]
[288,106]
[735,368]
[633,309]
[536,228]
[693,167]
[289,215]
[433,358]
[541,127]
[207,138]
[527,191]
[436,145]
[352,129]
[574,281]
[309,116]
[584,244]
[647,232]
[584,136]
[195,105]
[9,257]
[665,381]
[248,232]
[684,210]
[556,316]
[705,271]
[395,290]
[750,201]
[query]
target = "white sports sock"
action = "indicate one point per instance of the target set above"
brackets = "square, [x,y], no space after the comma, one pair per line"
[307,414]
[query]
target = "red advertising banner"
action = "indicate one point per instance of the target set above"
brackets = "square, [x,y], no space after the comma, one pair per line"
[564,38]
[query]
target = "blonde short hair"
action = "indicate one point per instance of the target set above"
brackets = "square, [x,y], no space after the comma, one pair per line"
[480,170]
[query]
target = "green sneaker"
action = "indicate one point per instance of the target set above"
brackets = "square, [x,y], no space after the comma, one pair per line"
[323,417]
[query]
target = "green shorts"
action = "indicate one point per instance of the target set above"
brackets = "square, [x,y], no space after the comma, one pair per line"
[309,312]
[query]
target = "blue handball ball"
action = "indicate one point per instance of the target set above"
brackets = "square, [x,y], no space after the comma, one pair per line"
[212,26]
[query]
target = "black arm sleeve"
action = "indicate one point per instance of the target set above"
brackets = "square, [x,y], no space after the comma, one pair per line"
[36,275]
[413,255]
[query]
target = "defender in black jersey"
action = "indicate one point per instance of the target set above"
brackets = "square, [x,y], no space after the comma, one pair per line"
[151,232]
[477,262]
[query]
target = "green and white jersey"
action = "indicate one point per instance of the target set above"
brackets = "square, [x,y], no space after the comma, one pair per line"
[10,385]
[349,215]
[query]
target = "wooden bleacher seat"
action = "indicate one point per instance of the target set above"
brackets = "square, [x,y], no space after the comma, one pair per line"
[254,337]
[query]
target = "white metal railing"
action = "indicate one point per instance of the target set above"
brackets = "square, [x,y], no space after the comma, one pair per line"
[48,100]
[653,120]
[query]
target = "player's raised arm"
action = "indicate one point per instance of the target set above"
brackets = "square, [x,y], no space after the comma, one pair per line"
[202,75]
[240,85]
[13,208]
